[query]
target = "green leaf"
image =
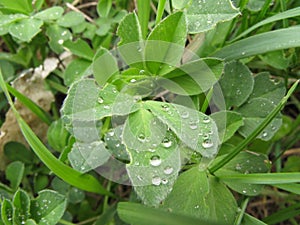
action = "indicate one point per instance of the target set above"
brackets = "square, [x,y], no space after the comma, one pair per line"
[52,13]
[131,45]
[48,207]
[23,154]
[193,77]
[276,59]
[250,220]
[30,222]
[166,42]
[80,48]
[103,7]
[196,195]
[25,29]
[195,129]
[236,85]
[7,212]
[57,36]
[57,135]
[180,4]
[23,6]
[228,122]
[245,163]
[264,87]
[254,112]
[21,202]
[14,173]
[138,214]
[88,156]
[255,5]
[70,19]
[104,66]
[154,156]
[77,69]
[293,188]
[6,20]
[204,15]
[261,43]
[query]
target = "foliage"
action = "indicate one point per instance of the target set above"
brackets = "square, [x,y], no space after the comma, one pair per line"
[187,103]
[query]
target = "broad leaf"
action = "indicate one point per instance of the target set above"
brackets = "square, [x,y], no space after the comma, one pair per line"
[250,220]
[195,129]
[193,77]
[236,85]
[103,7]
[70,19]
[23,6]
[228,122]
[264,87]
[7,212]
[254,112]
[21,202]
[77,69]
[194,194]
[80,48]
[48,207]
[52,13]
[204,15]
[276,59]
[57,135]
[14,173]
[25,29]
[255,5]
[57,36]
[244,163]
[6,20]
[180,4]
[166,43]
[154,156]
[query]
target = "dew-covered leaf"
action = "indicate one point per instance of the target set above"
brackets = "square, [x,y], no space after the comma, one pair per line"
[88,156]
[236,84]
[80,48]
[48,207]
[245,163]
[203,15]
[52,13]
[7,212]
[166,42]
[254,112]
[6,20]
[194,77]
[70,19]
[154,156]
[21,202]
[228,122]
[264,87]
[114,143]
[195,129]
[194,194]
[77,69]
[14,173]
[57,36]
[25,29]
[131,46]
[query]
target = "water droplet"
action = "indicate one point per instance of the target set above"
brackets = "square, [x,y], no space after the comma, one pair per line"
[205,136]
[164,181]
[165,107]
[60,41]
[244,192]
[142,72]
[185,115]
[167,143]
[206,119]
[151,150]
[111,133]
[238,167]
[264,134]
[132,80]
[197,206]
[155,160]
[193,126]
[139,49]
[106,107]
[168,170]
[207,143]
[156,180]
[100,100]
[141,137]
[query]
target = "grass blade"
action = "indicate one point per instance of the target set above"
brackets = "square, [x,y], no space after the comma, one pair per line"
[261,43]
[160,11]
[83,181]
[143,15]
[263,178]
[37,110]
[134,213]
[280,16]
[293,188]
[257,131]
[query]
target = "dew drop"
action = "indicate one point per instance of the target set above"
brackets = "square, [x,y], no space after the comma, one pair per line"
[193,126]
[156,180]
[142,72]
[238,167]
[111,133]
[244,192]
[206,119]
[100,100]
[132,80]
[185,115]
[165,107]
[155,160]
[106,107]
[141,137]
[167,143]
[60,41]
[207,143]
[264,134]
[197,206]
[164,181]
[168,170]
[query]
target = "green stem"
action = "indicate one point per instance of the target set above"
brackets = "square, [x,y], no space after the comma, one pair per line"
[241,213]
[160,11]
[256,132]
[105,204]
[66,222]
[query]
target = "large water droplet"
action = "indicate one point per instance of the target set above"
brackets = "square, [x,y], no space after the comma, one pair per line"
[167,143]
[206,119]
[141,137]
[264,134]
[132,80]
[142,72]
[100,100]
[155,160]
[168,170]
[207,143]
[156,180]
[193,125]
[185,115]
